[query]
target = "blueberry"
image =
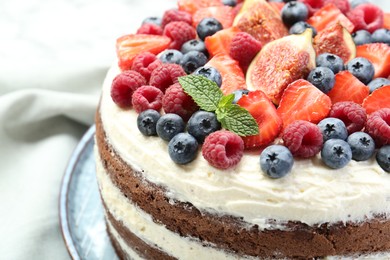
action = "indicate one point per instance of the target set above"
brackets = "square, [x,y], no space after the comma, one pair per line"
[331,61]
[169,125]
[194,45]
[293,12]
[147,121]
[231,3]
[377,83]
[361,37]
[171,56]
[211,73]
[336,153]
[153,20]
[333,128]
[383,158]
[193,60]
[207,27]
[322,78]
[276,161]
[381,35]
[201,124]
[300,27]
[355,3]
[182,148]
[238,94]
[362,69]
[362,146]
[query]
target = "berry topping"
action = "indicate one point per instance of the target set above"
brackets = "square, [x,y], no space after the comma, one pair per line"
[193,60]
[169,125]
[379,55]
[362,146]
[353,115]
[182,148]
[178,102]
[166,75]
[331,61]
[179,33]
[302,138]
[378,99]
[362,69]
[361,37]
[378,126]
[381,35]
[244,48]
[333,128]
[336,153]
[147,97]
[174,15]
[171,56]
[219,43]
[145,63]
[276,161]
[147,121]
[207,27]
[211,73]
[153,20]
[194,45]
[124,85]
[150,28]
[378,83]
[383,158]
[201,124]
[366,17]
[293,12]
[300,27]
[223,149]
[322,78]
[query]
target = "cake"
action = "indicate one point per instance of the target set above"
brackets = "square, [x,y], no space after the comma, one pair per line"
[159,208]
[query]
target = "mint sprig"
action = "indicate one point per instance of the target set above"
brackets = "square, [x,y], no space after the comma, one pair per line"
[209,97]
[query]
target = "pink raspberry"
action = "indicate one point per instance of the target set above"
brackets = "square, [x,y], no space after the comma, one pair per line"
[145,63]
[124,85]
[165,75]
[378,127]
[352,114]
[147,97]
[244,48]
[175,15]
[178,102]
[366,17]
[223,149]
[179,32]
[303,139]
[150,28]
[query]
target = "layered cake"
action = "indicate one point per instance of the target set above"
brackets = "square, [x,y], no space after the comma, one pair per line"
[221,133]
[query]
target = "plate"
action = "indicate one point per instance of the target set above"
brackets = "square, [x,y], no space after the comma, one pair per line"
[81,211]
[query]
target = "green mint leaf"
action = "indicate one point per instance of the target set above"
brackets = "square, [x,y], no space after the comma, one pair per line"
[226,100]
[237,119]
[203,91]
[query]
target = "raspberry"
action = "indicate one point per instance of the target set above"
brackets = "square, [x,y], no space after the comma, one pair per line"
[165,75]
[145,63]
[378,126]
[352,114]
[366,17]
[223,149]
[124,85]
[244,48]
[150,28]
[147,97]
[178,102]
[179,32]
[175,15]
[303,139]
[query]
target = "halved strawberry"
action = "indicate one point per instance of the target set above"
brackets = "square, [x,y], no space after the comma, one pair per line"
[191,6]
[378,99]
[264,112]
[219,43]
[386,20]
[232,75]
[303,101]
[129,46]
[348,88]
[379,55]
[224,14]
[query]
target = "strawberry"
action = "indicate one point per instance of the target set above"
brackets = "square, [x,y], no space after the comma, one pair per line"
[129,46]
[315,5]
[379,55]
[386,20]
[348,88]
[303,101]
[191,6]
[219,43]
[378,99]
[264,112]
[224,14]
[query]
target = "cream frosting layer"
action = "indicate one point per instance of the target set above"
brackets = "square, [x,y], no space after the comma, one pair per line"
[311,193]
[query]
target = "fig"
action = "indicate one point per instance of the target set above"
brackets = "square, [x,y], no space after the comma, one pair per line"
[281,62]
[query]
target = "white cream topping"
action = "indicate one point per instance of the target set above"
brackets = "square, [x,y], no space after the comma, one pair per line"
[311,193]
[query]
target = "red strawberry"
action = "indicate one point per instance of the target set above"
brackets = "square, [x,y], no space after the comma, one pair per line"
[219,43]
[386,20]
[224,14]
[315,5]
[264,112]
[379,55]
[348,88]
[192,6]
[378,99]
[366,17]
[303,101]
[129,46]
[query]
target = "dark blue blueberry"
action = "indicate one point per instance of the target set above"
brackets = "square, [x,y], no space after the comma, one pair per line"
[383,158]
[377,83]
[361,37]
[207,27]
[331,61]
[238,94]
[211,73]
[182,148]
[201,124]
[362,146]
[336,153]
[147,121]
[293,12]
[193,60]
[322,78]
[231,3]
[276,161]
[355,3]
[194,45]
[300,27]
[381,35]
[153,20]
[333,128]
[171,56]
[169,125]
[362,69]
